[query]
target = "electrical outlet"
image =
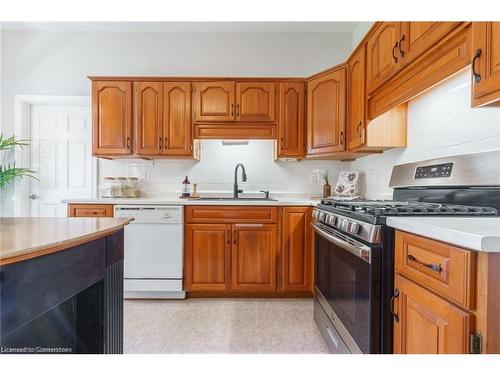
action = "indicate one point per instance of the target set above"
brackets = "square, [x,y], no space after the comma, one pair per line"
[371,176]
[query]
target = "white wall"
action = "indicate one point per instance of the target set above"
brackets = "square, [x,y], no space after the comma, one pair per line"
[441,123]
[359,32]
[57,63]
[215,171]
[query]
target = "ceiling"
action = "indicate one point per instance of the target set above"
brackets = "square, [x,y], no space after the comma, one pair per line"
[287,27]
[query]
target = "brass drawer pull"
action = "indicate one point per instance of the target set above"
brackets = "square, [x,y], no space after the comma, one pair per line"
[432,266]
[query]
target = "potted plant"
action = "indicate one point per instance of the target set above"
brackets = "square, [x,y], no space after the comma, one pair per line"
[8,170]
[327,188]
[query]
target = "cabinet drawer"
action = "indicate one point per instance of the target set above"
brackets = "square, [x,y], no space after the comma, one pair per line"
[231,214]
[444,269]
[90,210]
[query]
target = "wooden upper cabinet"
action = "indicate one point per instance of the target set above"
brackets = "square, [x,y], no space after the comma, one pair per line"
[291,132]
[326,102]
[148,100]
[485,63]
[428,324]
[214,101]
[255,101]
[356,104]
[177,127]
[254,257]
[207,257]
[111,118]
[382,54]
[296,256]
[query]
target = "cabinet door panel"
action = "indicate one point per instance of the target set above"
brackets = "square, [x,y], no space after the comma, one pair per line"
[291,142]
[207,256]
[296,249]
[111,117]
[177,131]
[427,323]
[148,117]
[382,54]
[255,101]
[356,117]
[417,37]
[326,113]
[215,101]
[486,41]
[254,257]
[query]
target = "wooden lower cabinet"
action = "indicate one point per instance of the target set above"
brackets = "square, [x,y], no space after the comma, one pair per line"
[90,210]
[254,253]
[428,324]
[248,250]
[296,249]
[207,257]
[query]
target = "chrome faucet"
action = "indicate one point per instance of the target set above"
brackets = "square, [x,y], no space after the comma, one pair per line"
[237,191]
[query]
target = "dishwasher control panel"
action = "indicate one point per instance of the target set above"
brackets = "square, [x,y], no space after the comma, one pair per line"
[150,214]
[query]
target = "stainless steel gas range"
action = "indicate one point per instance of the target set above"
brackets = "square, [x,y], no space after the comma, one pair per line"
[354,252]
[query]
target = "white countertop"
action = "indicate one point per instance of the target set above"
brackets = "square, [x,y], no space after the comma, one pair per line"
[475,233]
[284,201]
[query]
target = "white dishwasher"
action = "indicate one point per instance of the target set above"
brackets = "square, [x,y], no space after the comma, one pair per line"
[153,256]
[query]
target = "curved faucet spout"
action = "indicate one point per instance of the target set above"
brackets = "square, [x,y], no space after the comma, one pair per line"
[237,191]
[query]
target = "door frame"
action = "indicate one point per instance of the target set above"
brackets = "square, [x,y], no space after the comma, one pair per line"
[22,130]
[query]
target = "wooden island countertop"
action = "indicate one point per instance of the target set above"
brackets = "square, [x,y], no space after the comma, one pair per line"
[29,237]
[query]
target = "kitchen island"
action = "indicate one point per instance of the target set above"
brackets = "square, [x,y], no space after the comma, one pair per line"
[61,285]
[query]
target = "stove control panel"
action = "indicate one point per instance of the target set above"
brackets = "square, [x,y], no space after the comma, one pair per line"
[434,171]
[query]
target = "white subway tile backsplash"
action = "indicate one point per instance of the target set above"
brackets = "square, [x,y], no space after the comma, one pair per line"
[441,123]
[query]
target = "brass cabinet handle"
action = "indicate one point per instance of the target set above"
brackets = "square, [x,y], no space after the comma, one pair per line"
[393,299]
[342,138]
[165,142]
[160,142]
[238,110]
[393,55]
[401,52]
[432,266]
[475,74]
[234,237]
[128,142]
[232,110]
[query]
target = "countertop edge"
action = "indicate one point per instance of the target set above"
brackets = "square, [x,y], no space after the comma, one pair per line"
[468,240]
[63,245]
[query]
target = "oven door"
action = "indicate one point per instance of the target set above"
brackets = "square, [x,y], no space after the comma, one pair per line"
[347,285]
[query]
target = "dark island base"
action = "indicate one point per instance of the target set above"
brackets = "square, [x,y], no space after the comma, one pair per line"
[65,302]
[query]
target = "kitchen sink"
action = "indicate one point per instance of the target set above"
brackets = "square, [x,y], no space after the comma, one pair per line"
[231,199]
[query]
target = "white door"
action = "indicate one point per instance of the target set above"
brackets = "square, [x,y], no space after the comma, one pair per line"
[61,154]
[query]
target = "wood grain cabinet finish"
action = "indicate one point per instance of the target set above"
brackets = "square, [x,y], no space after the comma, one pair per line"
[254,257]
[326,102]
[417,37]
[148,105]
[255,101]
[485,63]
[428,324]
[215,101]
[444,269]
[296,249]
[111,118]
[291,141]
[177,126]
[90,210]
[382,54]
[356,105]
[207,257]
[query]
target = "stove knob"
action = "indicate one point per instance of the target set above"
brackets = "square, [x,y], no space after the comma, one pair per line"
[321,216]
[354,228]
[331,219]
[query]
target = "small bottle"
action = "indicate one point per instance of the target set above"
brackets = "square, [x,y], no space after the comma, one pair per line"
[186,188]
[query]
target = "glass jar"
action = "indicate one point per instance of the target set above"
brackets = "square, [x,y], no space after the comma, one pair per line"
[107,187]
[118,187]
[131,188]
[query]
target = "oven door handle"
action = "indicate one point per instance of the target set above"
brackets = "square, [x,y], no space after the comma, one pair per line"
[361,251]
